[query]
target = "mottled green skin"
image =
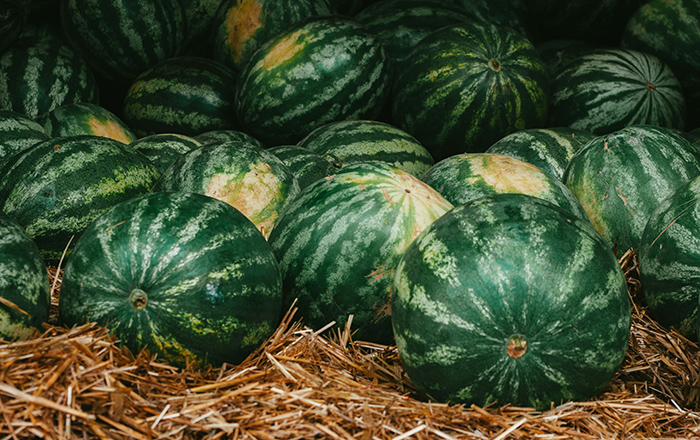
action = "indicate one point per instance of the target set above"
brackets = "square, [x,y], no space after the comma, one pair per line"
[242,26]
[464,87]
[306,165]
[550,149]
[213,286]
[504,266]
[318,71]
[217,136]
[339,242]
[669,260]
[670,30]
[608,89]
[357,141]
[122,38]
[23,282]
[165,148]
[252,180]
[199,16]
[555,54]
[38,75]
[56,188]
[82,118]
[17,133]
[511,13]
[622,177]
[13,16]
[187,95]
[465,177]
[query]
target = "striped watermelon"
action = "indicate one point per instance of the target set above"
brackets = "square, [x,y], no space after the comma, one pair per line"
[165,148]
[318,71]
[84,118]
[199,19]
[464,87]
[252,180]
[510,13]
[510,300]
[56,188]
[465,177]
[608,89]
[17,133]
[24,285]
[122,38]
[550,149]
[356,141]
[218,136]
[13,16]
[34,69]
[186,95]
[306,165]
[669,260]
[184,275]
[338,244]
[620,178]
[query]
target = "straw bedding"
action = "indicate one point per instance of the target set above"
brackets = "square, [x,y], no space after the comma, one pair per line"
[304,384]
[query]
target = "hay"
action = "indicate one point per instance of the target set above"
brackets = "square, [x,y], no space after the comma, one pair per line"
[78,383]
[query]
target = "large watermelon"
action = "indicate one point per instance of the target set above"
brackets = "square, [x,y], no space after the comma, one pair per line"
[184,275]
[509,299]
[81,118]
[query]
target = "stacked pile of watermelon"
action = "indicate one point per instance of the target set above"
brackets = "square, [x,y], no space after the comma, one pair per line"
[457,177]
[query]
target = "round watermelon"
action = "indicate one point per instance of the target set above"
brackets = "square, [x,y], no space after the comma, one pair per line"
[165,148]
[81,118]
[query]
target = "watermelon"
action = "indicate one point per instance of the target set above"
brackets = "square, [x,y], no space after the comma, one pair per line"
[199,19]
[17,133]
[555,54]
[184,275]
[465,177]
[84,118]
[318,71]
[464,87]
[509,299]
[355,141]
[217,136]
[338,244]
[165,148]
[550,149]
[13,16]
[510,13]
[187,95]
[252,180]
[56,188]
[608,89]
[306,165]
[620,178]
[25,300]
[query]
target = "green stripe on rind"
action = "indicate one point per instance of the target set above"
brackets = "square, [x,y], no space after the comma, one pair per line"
[339,241]
[58,187]
[252,180]
[23,282]
[122,38]
[499,267]
[550,149]
[319,71]
[218,136]
[460,179]
[669,260]
[609,89]
[621,178]
[17,133]
[85,119]
[356,141]
[164,149]
[451,96]
[51,74]
[306,165]
[187,95]
[213,286]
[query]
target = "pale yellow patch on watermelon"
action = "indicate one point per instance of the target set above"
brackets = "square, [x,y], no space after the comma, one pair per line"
[14,330]
[242,21]
[109,129]
[509,175]
[284,50]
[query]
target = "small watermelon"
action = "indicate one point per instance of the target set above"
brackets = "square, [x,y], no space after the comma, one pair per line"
[82,118]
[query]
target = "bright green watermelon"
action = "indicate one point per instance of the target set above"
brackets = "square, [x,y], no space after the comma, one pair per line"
[339,242]
[82,118]
[510,299]
[306,165]
[184,275]
[17,133]
[23,283]
[165,148]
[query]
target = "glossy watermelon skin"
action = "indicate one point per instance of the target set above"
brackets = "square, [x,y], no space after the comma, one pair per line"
[51,65]
[669,260]
[510,300]
[23,282]
[82,118]
[306,165]
[464,87]
[187,95]
[465,177]
[184,275]
[367,213]
[165,148]
[252,180]
[355,141]
[17,133]
[318,71]
[56,188]
[622,177]
[122,38]
[550,149]
[608,89]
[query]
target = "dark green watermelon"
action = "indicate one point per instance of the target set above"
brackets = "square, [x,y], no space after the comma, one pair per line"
[82,118]
[13,16]
[17,133]
[165,148]
[306,165]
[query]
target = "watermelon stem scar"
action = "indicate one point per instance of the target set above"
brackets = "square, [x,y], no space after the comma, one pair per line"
[517,346]
[138,299]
